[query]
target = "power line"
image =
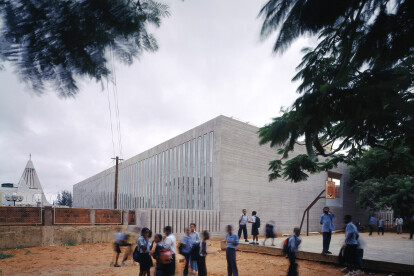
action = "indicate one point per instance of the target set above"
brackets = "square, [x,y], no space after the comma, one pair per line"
[110,116]
[116,100]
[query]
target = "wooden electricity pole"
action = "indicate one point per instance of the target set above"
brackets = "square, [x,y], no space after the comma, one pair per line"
[117,159]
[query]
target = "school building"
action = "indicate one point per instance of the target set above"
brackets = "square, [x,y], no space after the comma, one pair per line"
[209,174]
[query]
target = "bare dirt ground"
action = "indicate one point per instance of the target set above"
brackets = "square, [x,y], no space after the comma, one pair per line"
[95,259]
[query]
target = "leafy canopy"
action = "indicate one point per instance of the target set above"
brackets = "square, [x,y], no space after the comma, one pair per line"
[64,198]
[56,40]
[385,181]
[356,89]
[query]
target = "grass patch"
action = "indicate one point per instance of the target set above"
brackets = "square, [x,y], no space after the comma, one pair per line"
[71,242]
[5,255]
[27,252]
[20,247]
[71,260]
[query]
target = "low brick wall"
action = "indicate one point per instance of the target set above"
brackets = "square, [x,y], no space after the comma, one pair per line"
[30,236]
[72,216]
[20,215]
[108,216]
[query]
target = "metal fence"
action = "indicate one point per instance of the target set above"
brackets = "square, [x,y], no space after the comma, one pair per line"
[16,215]
[387,216]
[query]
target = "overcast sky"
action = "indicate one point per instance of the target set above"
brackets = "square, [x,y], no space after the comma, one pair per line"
[210,62]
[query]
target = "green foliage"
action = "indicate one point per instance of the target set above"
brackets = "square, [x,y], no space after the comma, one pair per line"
[356,84]
[385,182]
[64,199]
[27,252]
[20,247]
[55,41]
[5,255]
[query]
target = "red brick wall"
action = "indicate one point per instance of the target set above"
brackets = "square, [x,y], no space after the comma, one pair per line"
[20,215]
[72,216]
[108,216]
[131,217]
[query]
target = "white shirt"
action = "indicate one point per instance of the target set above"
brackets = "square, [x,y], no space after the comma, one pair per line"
[253,219]
[244,219]
[170,243]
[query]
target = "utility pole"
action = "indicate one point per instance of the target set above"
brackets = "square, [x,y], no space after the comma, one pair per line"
[117,159]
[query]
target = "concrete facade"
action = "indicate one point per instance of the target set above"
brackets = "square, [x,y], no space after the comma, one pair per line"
[224,168]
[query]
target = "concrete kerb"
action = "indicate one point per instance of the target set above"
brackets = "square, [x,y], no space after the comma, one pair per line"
[317,257]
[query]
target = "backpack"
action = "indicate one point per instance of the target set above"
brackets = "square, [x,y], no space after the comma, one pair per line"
[180,249]
[257,223]
[165,256]
[195,252]
[136,255]
[286,246]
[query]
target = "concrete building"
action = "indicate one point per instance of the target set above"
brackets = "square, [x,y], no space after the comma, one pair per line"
[27,192]
[220,166]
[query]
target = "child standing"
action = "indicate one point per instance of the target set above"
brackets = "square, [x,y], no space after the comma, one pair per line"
[293,249]
[255,228]
[201,262]
[195,238]
[232,241]
[144,245]
[186,249]
[160,268]
[380,226]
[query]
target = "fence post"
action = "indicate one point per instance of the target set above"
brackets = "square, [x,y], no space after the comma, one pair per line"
[92,214]
[125,216]
[48,216]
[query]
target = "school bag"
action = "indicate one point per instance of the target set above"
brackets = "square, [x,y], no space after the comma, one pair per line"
[165,256]
[257,223]
[195,252]
[180,249]
[286,246]
[136,255]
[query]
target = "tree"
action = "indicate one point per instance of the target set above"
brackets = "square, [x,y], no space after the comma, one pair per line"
[51,41]
[64,198]
[356,84]
[383,181]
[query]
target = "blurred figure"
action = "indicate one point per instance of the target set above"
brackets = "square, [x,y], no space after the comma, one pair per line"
[361,228]
[232,241]
[270,232]
[201,262]
[380,226]
[399,223]
[119,240]
[186,249]
[293,248]
[372,223]
[412,228]
[351,241]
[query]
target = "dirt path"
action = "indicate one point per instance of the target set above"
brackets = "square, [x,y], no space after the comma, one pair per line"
[95,259]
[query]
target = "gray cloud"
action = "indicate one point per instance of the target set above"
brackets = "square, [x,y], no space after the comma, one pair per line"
[210,62]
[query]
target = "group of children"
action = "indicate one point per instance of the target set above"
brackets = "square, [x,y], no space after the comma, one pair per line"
[163,250]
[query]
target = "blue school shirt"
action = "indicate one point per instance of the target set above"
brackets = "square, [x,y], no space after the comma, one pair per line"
[294,243]
[187,241]
[372,221]
[380,223]
[351,233]
[327,222]
[232,238]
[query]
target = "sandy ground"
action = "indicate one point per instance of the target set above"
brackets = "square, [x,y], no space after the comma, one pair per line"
[95,259]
